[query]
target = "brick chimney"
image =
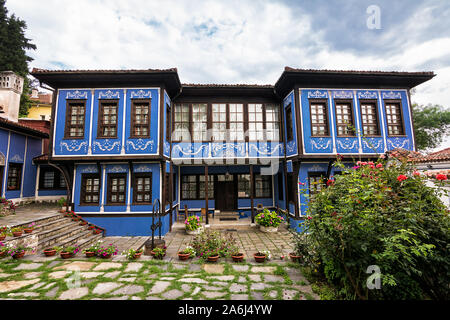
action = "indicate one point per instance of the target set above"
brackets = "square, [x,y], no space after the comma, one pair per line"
[11,86]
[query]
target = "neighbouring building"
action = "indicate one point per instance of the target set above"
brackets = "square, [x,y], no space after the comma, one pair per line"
[41,105]
[20,142]
[124,138]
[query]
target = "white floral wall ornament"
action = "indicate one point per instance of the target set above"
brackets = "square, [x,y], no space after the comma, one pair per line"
[140,144]
[368,95]
[317,94]
[320,143]
[73,145]
[16,158]
[76,94]
[347,144]
[89,169]
[109,94]
[391,95]
[343,94]
[107,145]
[141,94]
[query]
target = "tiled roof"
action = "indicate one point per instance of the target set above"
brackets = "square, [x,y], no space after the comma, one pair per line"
[426,73]
[417,157]
[38,71]
[439,156]
[22,128]
[402,154]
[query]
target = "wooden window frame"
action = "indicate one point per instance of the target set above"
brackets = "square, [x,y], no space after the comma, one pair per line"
[109,192]
[352,115]
[56,179]
[133,118]
[227,121]
[289,124]
[168,122]
[19,168]
[316,174]
[69,105]
[191,122]
[249,187]
[84,177]
[274,121]
[135,192]
[402,119]
[196,186]
[174,122]
[375,103]
[326,115]
[254,186]
[100,124]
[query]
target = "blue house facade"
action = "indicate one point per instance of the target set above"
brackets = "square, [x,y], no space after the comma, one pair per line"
[124,138]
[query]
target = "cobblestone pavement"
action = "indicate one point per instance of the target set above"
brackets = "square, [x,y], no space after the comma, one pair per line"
[149,279]
[30,212]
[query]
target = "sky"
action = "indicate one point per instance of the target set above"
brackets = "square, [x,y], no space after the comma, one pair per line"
[244,41]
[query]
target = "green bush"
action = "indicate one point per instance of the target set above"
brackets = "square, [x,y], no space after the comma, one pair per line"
[382,215]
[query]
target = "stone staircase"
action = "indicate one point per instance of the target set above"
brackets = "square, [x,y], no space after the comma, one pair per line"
[56,230]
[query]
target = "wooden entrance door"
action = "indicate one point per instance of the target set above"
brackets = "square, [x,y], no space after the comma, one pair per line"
[225,199]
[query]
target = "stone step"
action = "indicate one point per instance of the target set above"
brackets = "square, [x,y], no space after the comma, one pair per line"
[83,239]
[39,221]
[51,224]
[52,237]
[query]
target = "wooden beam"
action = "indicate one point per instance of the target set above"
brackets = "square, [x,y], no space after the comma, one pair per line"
[251,193]
[206,194]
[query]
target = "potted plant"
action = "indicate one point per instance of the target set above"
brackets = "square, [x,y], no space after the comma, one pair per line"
[133,254]
[17,231]
[52,251]
[192,225]
[268,221]
[29,228]
[75,217]
[92,250]
[211,255]
[83,222]
[69,252]
[18,252]
[261,256]
[159,253]
[3,249]
[187,253]
[4,231]
[62,203]
[107,252]
[91,227]
[97,231]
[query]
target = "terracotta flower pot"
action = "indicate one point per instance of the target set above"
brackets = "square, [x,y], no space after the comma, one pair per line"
[83,223]
[49,252]
[153,255]
[294,257]
[106,256]
[17,234]
[2,237]
[66,255]
[238,257]
[28,230]
[183,256]
[97,231]
[213,258]
[89,254]
[137,255]
[259,258]
[19,255]
[91,227]
[3,253]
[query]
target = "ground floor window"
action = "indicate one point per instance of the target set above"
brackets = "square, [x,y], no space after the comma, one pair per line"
[263,186]
[201,187]
[316,182]
[116,192]
[90,189]
[243,185]
[14,176]
[193,187]
[50,178]
[142,188]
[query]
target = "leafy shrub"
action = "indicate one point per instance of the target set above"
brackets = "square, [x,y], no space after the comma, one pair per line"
[383,215]
[213,241]
[7,207]
[268,218]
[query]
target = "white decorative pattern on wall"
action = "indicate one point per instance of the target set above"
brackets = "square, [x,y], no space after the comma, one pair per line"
[398,143]
[291,146]
[347,144]
[367,95]
[116,169]
[166,147]
[371,143]
[187,151]
[107,145]
[73,145]
[227,149]
[343,94]
[317,94]
[109,94]
[265,149]
[90,169]
[140,145]
[142,168]
[391,95]
[320,143]
[76,95]
[141,94]
[16,158]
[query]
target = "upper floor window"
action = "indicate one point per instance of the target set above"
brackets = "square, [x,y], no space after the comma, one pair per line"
[75,119]
[107,119]
[90,189]
[289,124]
[272,122]
[181,122]
[14,176]
[369,117]
[199,122]
[140,119]
[394,118]
[236,122]
[319,118]
[344,118]
[219,122]
[255,122]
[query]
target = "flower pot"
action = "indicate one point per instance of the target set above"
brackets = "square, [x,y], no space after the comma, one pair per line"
[28,230]
[238,257]
[62,211]
[89,254]
[153,255]
[107,256]
[75,219]
[83,223]
[184,256]
[294,257]
[194,232]
[66,255]
[2,237]
[213,258]
[91,227]
[19,255]
[49,252]
[97,231]
[17,234]
[3,253]
[268,229]
[259,258]
[137,255]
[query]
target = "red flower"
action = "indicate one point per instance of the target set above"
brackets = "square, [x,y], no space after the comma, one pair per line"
[441,177]
[416,173]
[379,165]
[330,182]
[309,217]
[402,177]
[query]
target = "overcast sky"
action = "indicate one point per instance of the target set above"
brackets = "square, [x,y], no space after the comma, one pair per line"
[243,41]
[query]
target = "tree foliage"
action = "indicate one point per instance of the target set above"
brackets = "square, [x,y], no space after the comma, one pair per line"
[431,125]
[13,55]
